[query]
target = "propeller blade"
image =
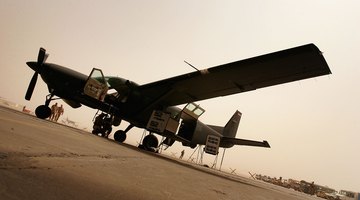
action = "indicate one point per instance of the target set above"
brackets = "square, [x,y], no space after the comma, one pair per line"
[46,56]
[41,56]
[31,86]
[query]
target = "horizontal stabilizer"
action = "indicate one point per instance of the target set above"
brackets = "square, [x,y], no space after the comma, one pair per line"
[237,141]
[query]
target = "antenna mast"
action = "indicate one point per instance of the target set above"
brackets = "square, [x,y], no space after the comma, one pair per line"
[192,66]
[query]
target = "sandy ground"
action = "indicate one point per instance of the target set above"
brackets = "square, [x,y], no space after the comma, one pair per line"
[44,160]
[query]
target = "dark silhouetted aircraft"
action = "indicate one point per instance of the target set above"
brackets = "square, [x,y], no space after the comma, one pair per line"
[152,106]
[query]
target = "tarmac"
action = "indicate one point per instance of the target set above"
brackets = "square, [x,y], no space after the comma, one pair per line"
[40,159]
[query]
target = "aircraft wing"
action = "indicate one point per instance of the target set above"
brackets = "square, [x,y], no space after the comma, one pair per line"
[237,141]
[241,76]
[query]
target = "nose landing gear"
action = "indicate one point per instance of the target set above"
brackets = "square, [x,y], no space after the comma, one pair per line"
[43,111]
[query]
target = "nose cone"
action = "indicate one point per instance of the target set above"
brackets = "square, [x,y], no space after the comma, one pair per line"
[34,65]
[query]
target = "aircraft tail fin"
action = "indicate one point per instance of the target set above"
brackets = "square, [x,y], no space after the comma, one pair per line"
[229,133]
[232,125]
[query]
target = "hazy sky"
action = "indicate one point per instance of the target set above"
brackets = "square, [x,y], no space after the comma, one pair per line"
[313,126]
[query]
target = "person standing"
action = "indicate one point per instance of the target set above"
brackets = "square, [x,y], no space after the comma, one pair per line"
[60,111]
[182,154]
[54,108]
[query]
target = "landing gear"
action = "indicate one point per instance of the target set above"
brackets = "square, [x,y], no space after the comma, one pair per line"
[43,112]
[120,136]
[150,143]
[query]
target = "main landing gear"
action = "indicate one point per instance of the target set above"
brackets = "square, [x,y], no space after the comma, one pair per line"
[120,136]
[150,143]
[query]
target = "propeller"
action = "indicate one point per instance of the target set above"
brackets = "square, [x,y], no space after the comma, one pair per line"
[36,66]
[31,86]
[42,56]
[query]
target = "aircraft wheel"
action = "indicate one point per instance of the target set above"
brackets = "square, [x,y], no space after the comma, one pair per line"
[120,136]
[150,142]
[43,112]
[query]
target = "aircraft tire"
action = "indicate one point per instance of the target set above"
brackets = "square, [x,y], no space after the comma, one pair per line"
[120,136]
[43,112]
[150,142]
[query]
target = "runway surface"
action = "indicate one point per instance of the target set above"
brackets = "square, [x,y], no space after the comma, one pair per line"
[44,160]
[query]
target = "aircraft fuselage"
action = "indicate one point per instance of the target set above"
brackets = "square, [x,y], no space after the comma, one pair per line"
[141,105]
[69,85]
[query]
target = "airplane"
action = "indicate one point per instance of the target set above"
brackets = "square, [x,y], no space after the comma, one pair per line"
[152,106]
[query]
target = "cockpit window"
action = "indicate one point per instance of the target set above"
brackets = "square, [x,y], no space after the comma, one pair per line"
[195,109]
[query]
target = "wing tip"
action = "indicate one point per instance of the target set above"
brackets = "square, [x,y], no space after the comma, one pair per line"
[266,144]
